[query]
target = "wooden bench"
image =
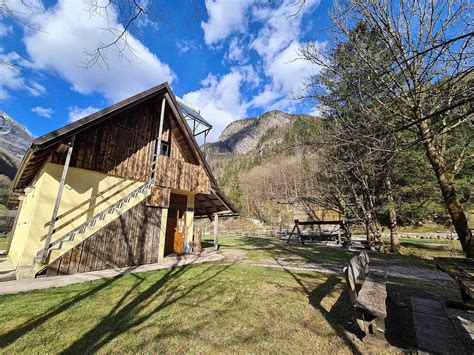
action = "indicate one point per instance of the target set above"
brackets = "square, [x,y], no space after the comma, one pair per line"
[462,271]
[368,300]
[341,236]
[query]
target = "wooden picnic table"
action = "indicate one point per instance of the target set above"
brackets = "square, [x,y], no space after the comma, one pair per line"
[461,270]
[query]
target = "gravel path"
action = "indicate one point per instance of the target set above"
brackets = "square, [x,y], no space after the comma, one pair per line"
[300,264]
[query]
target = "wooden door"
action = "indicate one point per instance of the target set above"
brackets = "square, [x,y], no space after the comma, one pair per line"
[178,243]
[174,240]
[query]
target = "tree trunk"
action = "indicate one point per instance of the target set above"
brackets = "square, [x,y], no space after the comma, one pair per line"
[446,184]
[392,211]
[369,217]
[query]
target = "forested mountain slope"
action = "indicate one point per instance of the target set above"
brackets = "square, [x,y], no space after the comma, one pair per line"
[259,162]
[266,163]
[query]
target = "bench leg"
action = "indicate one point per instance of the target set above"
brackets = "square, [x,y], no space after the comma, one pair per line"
[374,329]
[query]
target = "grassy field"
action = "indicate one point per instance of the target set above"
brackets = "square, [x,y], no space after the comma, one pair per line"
[217,307]
[205,308]
[430,248]
[415,252]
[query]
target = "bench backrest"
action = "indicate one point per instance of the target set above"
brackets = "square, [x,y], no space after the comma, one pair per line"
[359,265]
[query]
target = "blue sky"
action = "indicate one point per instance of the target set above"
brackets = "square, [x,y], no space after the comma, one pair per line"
[229,58]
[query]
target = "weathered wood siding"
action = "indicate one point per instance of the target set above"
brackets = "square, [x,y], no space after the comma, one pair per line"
[181,175]
[124,146]
[120,146]
[132,239]
[159,197]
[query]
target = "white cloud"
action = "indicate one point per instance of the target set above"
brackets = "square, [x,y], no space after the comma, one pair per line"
[76,113]
[220,98]
[12,77]
[184,46]
[5,30]
[45,112]
[278,42]
[288,71]
[236,51]
[225,17]
[68,30]
[36,89]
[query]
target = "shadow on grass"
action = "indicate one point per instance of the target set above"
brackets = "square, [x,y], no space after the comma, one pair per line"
[339,318]
[260,248]
[25,328]
[273,248]
[434,247]
[399,323]
[122,317]
[120,321]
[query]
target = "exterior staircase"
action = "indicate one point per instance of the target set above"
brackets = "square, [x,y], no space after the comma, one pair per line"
[7,270]
[69,240]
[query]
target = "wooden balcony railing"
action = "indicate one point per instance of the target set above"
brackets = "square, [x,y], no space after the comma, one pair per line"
[180,175]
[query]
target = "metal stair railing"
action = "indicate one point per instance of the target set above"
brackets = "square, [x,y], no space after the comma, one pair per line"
[69,236]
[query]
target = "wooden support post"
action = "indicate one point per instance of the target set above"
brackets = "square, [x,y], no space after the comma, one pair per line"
[197,242]
[12,231]
[291,234]
[297,225]
[58,201]
[216,231]
[158,143]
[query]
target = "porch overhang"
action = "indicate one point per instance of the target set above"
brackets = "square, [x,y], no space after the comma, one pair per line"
[215,202]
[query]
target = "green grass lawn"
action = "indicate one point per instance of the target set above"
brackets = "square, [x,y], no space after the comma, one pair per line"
[416,252]
[430,248]
[204,308]
[215,307]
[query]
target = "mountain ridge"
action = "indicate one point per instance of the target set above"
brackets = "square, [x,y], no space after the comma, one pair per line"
[14,141]
[14,138]
[245,135]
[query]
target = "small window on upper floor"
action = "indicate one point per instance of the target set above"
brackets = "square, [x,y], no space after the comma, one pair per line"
[165,149]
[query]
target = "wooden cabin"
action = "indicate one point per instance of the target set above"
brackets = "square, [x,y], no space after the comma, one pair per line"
[118,188]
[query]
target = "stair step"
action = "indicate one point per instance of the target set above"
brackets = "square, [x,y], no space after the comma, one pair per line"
[84,231]
[11,276]
[6,266]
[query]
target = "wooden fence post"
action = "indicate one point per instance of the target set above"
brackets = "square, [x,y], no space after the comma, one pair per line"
[216,231]
[197,243]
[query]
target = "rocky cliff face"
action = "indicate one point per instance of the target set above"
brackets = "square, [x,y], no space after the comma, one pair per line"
[14,141]
[243,136]
[14,138]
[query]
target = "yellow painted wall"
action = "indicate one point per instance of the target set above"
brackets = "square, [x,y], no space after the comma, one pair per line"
[189,221]
[80,194]
[161,251]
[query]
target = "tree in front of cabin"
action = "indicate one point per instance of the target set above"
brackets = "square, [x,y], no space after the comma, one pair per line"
[423,78]
[357,136]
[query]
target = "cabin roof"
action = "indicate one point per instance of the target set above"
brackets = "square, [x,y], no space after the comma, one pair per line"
[43,146]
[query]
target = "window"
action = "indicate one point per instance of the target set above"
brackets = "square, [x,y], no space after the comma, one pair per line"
[165,148]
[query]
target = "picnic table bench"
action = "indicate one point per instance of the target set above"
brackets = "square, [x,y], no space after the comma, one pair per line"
[367,300]
[339,235]
[462,271]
